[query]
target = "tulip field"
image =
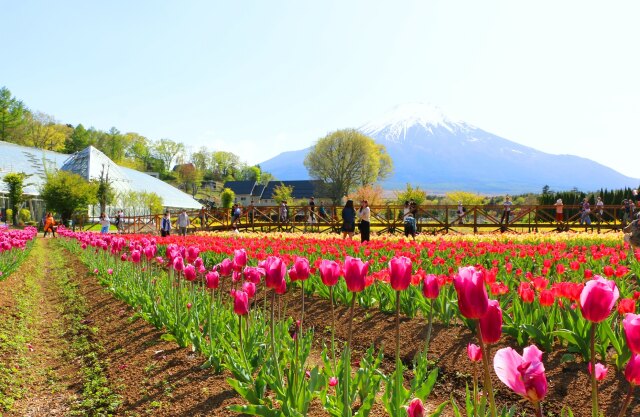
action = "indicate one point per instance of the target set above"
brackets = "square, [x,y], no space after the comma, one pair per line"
[453,326]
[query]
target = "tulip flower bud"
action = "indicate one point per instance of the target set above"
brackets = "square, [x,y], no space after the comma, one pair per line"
[597,298]
[400,272]
[491,323]
[430,287]
[474,352]
[601,371]
[416,408]
[472,293]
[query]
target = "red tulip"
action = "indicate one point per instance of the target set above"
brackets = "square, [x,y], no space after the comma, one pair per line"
[301,265]
[430,286]
[631,324]
[523,374]
[416,408]
[632,371]
[546,298]
[282,287]
[240,302]
[598,298]
[474,352]
[491,323]
[190,272]
[400,272]
[333,381]
[588,273]
[601,371]
[525,292]
[355,272]
[608,270]
[329,272]
[626,305]
[472,293]
[212,280]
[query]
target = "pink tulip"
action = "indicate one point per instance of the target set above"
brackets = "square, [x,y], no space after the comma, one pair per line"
[293,275]
[416,408]
[523,374]
[400,272]
[198,262]
[240,302]
[192,253]
[253,274]
[225,267]
[631,325]
[472,293]
[109,271]
[491,323]
[474,352]
[355,272]
[301,265]
[275,270]
[333,381]
[150,251]
[212,280]
[282,287]
[135,256]
[190,272]
[249,288]
[178,263]
[632,371]
[601,371]
[329,272]
[597,298]
[430,287]
[239,259]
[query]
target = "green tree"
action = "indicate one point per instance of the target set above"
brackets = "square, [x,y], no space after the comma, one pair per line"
[65,193]
[346,159]
[77,140]
[411,193]
[227,197]
[282,193]
[467,198]
[167,151]
[190,178]
[105,192]
[226,165]
[152,201]
[12,114]
[45,133]
[252,173]
[15,185]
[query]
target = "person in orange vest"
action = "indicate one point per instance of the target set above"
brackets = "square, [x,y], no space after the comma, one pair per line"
[49,225]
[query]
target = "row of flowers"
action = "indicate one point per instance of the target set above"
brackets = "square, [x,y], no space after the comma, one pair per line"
[14,248]
[586,304]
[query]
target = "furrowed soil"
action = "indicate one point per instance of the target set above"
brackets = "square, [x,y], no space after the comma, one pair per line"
[145,375]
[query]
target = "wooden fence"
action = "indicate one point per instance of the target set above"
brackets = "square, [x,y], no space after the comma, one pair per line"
[388,219]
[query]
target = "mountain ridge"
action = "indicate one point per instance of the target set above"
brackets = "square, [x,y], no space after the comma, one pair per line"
[440,154]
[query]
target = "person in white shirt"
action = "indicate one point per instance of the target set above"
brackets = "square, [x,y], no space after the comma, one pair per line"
[365,221]
[506,210]
[105,222]
[599,208]
[183,222]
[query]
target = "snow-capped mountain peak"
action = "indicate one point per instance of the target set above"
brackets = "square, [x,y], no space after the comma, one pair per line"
[396,122]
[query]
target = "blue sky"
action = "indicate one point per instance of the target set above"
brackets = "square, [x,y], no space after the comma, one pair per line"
[260,77]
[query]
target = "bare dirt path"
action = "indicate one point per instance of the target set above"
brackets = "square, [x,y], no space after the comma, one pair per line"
[46,381]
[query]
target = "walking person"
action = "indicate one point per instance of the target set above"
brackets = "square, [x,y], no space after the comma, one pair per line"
[348,220]
[183,222]
[585,214]
[322,211]
[105,223]
[49,225]
[599,209]
[165,225]
[120,221]
[365,221]
[410,226]
[461,211]
[312,210]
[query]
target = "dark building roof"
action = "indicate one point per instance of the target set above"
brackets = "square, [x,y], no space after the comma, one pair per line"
[257,190]
[301,189]
[240,187]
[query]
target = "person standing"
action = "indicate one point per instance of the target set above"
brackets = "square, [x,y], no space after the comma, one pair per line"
[586,210]
[365,221]
[105,223]
[599,208]
[559,211]
[283,213]
[410,226]
[632,236]
[322,212]
[165,226]
[120,221]
[312,210]
[203,217]
[183,222]
[626,211]
[348,220]
[506,210]
[460,213]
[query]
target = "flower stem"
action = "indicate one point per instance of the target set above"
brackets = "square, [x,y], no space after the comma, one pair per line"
[538,408]
[333,329]
[273,338]
[594,383]
[627,401]
[302,315]
[487,376]
[429,326]
[346,411]
[398,383]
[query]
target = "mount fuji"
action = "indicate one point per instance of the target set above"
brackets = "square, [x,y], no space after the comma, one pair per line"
[441,154]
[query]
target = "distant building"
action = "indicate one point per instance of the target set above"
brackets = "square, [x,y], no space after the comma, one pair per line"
[262,195]
[88,163]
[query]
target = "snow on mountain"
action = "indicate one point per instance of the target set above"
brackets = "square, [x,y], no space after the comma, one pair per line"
[439,154]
